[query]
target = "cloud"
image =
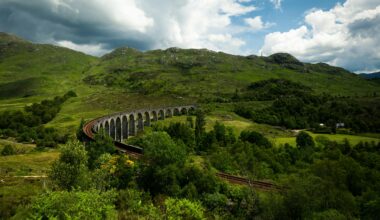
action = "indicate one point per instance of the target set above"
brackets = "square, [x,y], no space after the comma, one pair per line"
[257,24]
[346,35]
[276,3]
[98,26]
[95,49]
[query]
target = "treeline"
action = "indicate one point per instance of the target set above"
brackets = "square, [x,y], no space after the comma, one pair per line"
[295,106]
[27,125]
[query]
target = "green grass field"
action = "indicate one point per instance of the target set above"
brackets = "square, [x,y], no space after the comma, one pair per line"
[353,139]
[21,175]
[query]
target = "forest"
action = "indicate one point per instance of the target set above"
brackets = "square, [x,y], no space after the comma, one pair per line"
[175,178]
[295,106]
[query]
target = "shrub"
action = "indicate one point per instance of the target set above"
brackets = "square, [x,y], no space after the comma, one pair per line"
[8,150]
[70,170]
[91,204]
[183,209]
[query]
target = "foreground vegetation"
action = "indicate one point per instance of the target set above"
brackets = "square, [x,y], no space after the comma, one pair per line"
[325,180]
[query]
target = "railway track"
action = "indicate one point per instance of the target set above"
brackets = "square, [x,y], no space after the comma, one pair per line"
[130,150]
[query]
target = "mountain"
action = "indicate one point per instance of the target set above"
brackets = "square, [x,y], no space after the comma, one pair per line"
[28,69]
[201,72]
[128,78]
[375,75]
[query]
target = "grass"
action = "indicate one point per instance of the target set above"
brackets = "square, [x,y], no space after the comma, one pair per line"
[31,164]
[353,139]
[16,190]
[18,147]
[277,135]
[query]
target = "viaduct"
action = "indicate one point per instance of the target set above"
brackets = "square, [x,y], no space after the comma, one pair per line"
[120,126]
[124,124]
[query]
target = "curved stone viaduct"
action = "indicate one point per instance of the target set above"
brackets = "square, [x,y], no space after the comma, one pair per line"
[124,124]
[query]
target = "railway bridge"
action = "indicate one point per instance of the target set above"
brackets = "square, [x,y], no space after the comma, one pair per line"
[119,126]
[124,124]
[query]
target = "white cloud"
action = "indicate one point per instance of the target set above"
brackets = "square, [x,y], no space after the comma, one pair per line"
[346,35]
[147,24]
[96,49]
[257,24]
[276,3]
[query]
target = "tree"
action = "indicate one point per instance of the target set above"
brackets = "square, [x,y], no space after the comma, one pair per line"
[200,123]
[80,134]
[304,140]
[134,204]
[255,138]
[102,144]
[182,132]
[161,150]
[183,209]
[70,170]
[220,132]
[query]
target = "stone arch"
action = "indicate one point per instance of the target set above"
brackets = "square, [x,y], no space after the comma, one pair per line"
[140,122]
[107,128]
[118,129]
[176,112]
[183,111]
[124,127]
[132,127]
[154,116]
[101,127]
[161,114]
[168,113]
[112,129]
[147,119]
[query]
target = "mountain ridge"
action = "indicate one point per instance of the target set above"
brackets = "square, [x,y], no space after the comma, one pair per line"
[127,78]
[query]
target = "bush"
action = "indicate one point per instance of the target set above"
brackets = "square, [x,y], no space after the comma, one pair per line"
[70,170]
[304,140]
[161,150]
[183,209]
[255,138]
[102,144]
[8,150]
[91,204]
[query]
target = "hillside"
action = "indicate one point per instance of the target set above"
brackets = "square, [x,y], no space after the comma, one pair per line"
[28,69]
[370,75]
[199,73]
[129,79]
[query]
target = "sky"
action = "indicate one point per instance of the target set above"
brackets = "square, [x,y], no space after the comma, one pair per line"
[343,33]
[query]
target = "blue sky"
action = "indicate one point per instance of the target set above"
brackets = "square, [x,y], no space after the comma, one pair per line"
[288,16]
[343,33]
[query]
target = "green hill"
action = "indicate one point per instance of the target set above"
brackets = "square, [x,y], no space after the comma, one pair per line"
[127,78]
[49,69]
[199,73]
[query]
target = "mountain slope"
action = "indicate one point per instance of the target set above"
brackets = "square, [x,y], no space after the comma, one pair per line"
[28,69]
[370,75]
[202,72]
[127,79]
